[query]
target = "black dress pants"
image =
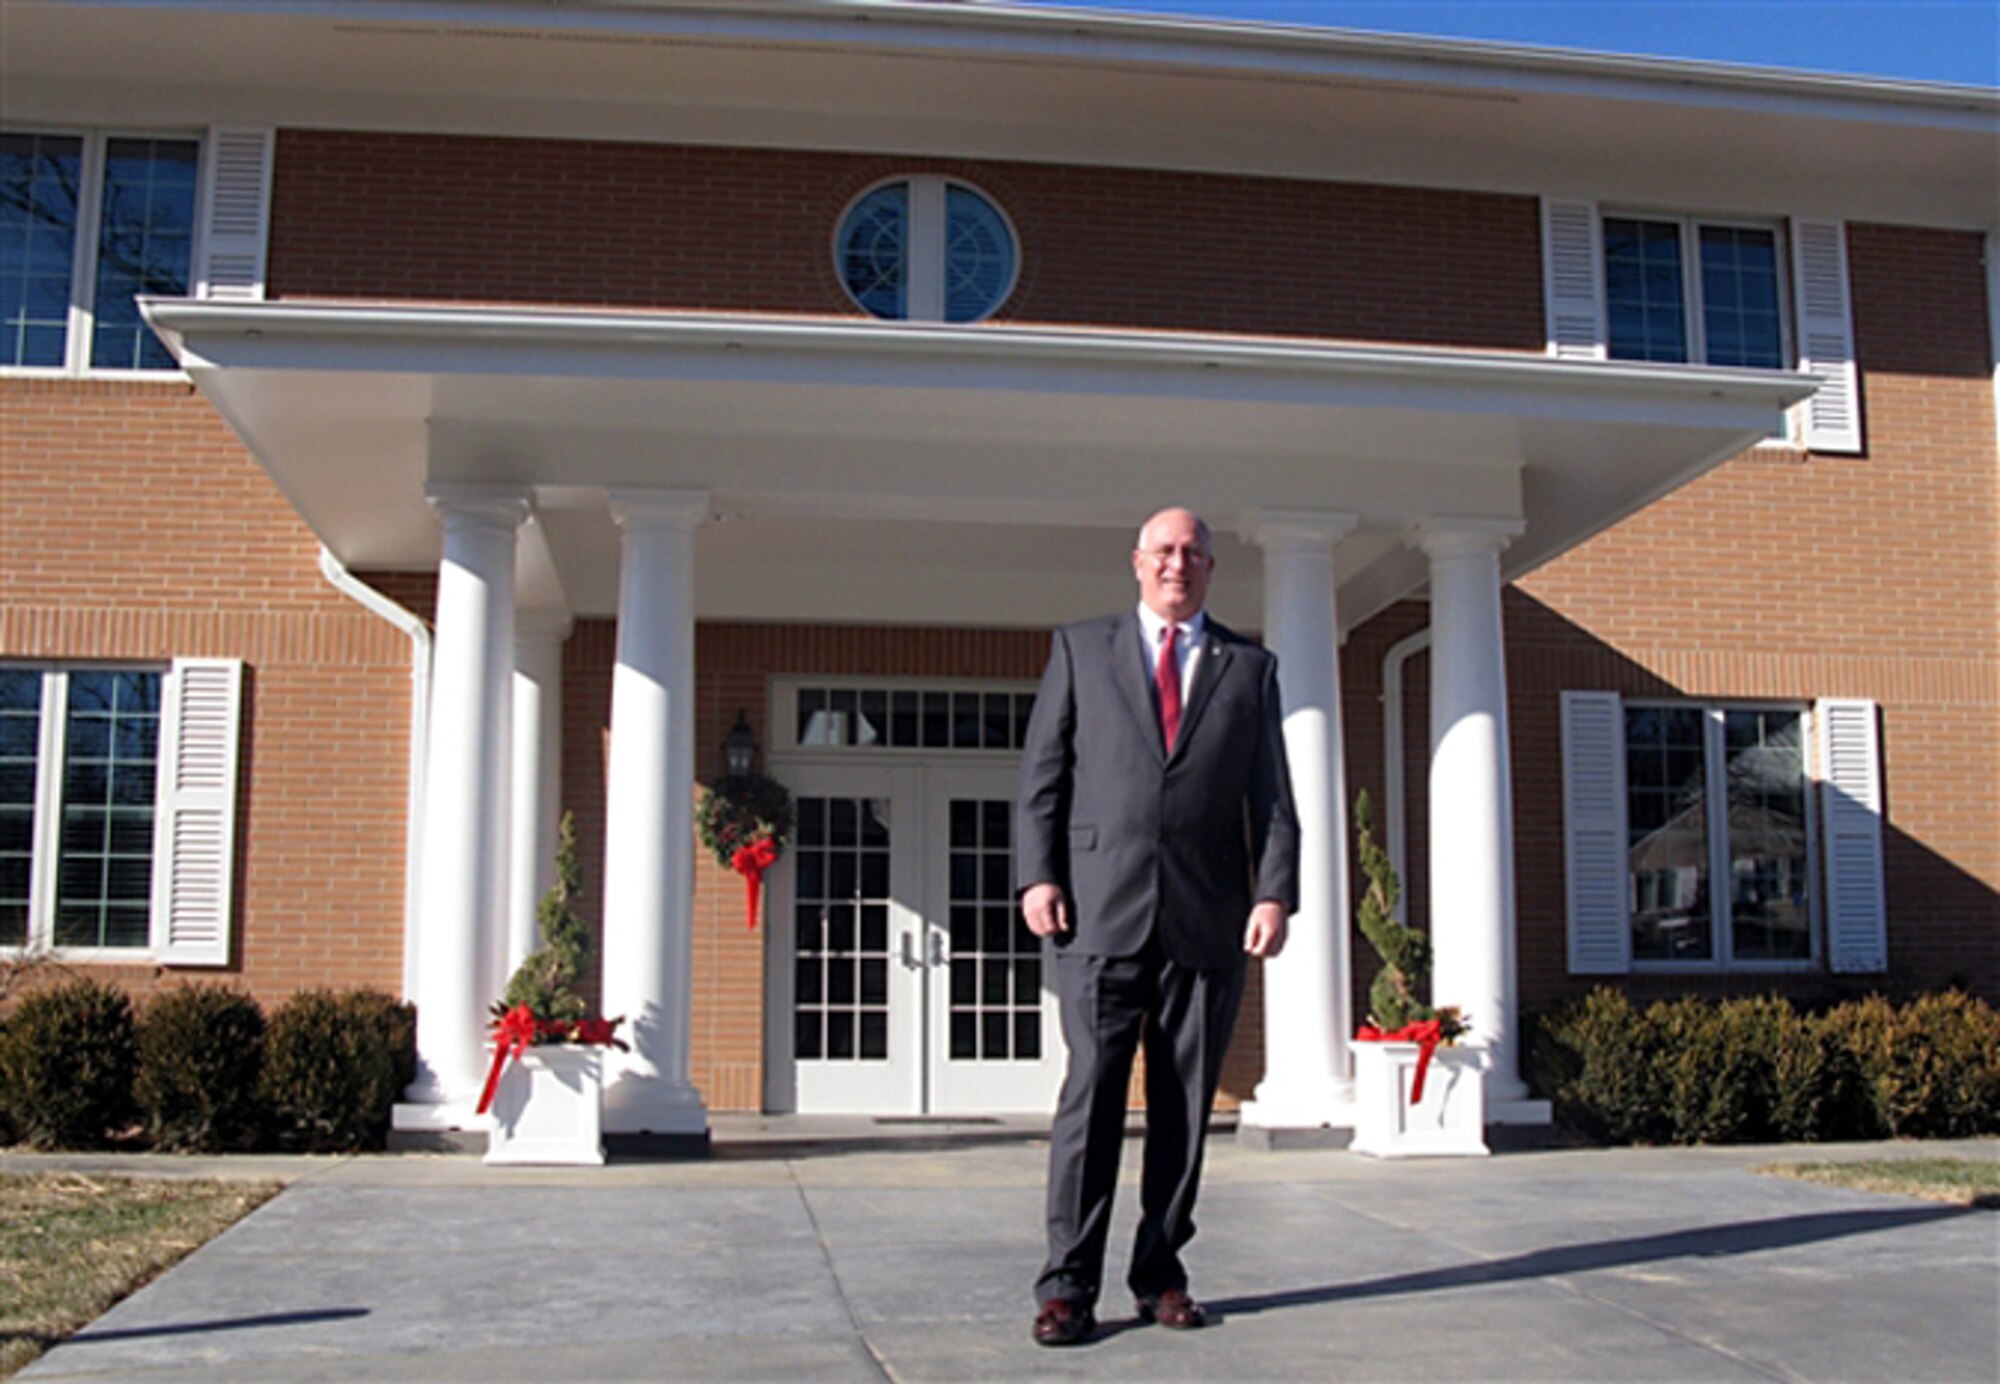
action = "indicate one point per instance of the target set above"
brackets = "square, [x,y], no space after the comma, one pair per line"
[1184,1015]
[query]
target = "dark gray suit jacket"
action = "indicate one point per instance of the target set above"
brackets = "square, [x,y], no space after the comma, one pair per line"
[1140,840]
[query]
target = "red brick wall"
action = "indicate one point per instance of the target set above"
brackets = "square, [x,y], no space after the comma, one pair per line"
[484,220]
[137,529]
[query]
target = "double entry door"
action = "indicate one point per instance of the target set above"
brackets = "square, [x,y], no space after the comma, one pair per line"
[903,981]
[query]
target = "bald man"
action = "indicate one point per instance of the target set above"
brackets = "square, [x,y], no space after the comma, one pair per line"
[1157,847]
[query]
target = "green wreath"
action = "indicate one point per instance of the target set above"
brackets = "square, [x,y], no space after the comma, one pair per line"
[740,811]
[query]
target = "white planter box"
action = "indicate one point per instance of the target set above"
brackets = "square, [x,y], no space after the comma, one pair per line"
[549,1107]
[1451,1118]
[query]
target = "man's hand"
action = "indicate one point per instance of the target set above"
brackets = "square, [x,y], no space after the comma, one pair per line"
[1046,910]
[1264,938]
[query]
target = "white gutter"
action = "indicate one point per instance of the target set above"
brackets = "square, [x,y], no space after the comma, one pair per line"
[206,332]
[1394,788]
[376,603]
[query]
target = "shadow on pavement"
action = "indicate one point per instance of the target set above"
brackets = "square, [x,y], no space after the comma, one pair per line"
[330,1314]
[1743,1237]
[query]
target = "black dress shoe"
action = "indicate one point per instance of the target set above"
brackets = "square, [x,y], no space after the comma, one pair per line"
[1063,1323]
[1172,1308]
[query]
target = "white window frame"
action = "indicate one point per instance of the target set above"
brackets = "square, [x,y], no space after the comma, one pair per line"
[1714,764]
[924,293]
[784,718]
[51,757]
[1690,226]
[190,903]
[82,318]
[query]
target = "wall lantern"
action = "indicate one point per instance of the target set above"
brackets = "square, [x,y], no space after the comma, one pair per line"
[739,748]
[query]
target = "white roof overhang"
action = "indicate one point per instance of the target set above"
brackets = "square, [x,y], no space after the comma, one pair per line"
[933,473]
[1043,85]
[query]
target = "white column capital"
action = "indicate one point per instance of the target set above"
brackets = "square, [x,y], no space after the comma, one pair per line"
[1445,536]
[1296,530]
[543,623]
[638,509]
[503,505]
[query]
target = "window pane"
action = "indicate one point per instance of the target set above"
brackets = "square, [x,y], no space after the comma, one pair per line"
[1643,289]
[1666,788]
[874,252]
[1739,296]
[39,176]
[20,741]
[104,872]
[144,246]
[1769,917]
[978,256]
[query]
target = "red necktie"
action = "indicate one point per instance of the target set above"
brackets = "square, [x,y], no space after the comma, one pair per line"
[1167,675]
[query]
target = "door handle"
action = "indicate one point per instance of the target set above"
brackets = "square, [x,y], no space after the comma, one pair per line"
[937,947]
[911,961]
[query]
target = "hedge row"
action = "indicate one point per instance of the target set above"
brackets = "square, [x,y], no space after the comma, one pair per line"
[1758,1070]
[201,1068]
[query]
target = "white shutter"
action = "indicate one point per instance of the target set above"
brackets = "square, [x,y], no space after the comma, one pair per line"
[194,843]
[235,213]
[1593,746]
[1573,279]
[1826,335]
[1850,782]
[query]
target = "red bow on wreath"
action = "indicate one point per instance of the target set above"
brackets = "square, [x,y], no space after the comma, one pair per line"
[1426,1035]
[750,862]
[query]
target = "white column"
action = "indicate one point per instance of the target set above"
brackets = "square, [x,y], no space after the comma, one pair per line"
[537,794]
[1307,1081]
[649,821]
[463,870]
[1471,794]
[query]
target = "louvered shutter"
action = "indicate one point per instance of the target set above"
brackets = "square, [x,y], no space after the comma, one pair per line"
[1573,279]
[194,844]
[1850,781]
[1826,335]
[235,212]
[1593,746]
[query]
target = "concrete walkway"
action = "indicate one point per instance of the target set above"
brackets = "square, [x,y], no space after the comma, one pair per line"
[797,1254]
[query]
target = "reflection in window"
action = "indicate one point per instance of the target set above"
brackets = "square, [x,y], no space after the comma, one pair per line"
[912,718]
[145,245]
[926,248]
[40,179]
[1684,765]
[1666,789]
[1734,295]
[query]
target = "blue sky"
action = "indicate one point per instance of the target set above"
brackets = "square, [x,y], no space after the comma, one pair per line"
[1926,40]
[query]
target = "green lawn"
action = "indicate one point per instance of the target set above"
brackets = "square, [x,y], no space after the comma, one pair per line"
[72,1245]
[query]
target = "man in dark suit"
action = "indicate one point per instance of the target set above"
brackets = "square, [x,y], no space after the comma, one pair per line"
[1157,845]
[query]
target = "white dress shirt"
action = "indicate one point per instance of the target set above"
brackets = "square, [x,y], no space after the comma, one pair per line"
[1187,649]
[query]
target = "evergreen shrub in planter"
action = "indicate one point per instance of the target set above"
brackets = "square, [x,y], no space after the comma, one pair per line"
[201,1052]
[66,1062]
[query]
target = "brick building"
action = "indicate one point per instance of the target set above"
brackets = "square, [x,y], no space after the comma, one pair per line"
[421,421]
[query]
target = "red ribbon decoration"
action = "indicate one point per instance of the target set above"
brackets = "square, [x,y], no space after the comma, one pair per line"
[518,1029]
[512,1033]
[750,862]
[1426,1035]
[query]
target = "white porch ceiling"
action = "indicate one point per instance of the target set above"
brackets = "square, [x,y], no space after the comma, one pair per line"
[936,474]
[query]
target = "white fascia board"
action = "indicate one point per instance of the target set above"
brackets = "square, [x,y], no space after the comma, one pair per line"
[204,332]
[1197,46]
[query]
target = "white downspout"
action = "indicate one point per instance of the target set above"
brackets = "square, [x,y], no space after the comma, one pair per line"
[1993,319]
[376,603]
[1392,754]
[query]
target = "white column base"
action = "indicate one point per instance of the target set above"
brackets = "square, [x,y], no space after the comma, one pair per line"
[638,1104]
[438,1117]
[1330,1106]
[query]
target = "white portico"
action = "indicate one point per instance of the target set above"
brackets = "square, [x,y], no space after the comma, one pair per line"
[664,469]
